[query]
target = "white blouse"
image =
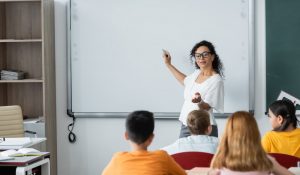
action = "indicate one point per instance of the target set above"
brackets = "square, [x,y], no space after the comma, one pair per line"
[211,91]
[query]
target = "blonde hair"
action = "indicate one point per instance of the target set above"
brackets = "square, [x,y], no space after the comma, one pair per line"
[198,122]
[240,148]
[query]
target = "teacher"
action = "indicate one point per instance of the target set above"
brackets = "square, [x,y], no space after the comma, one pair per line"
[204,88]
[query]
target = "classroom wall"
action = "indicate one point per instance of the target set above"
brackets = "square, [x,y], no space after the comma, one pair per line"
[99,138]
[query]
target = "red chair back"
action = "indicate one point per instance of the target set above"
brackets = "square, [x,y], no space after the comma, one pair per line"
[285,160]
[189,160]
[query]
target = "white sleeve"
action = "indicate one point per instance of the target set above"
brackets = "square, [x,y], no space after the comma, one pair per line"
[215,96]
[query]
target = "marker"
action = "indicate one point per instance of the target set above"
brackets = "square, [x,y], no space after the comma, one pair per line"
[165,52]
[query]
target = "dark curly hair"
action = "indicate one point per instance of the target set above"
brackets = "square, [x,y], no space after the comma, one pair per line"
[216,64]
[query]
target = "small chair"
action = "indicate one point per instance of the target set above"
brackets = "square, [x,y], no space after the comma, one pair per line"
[285,160]
[189,160]
[11,121]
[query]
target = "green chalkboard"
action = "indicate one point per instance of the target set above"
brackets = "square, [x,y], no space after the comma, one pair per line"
[282,48]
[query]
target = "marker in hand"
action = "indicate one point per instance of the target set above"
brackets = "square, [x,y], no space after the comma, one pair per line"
[167,57]
[166,53]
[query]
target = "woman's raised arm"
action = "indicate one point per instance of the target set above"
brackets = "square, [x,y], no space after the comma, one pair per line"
[177,74]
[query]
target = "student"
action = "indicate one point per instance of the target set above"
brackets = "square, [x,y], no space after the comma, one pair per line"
[199,126]
[240,151]
[139,133]
[285,137]
[204,87]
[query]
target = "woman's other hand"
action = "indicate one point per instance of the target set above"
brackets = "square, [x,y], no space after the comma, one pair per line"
[201,104]
[196,98]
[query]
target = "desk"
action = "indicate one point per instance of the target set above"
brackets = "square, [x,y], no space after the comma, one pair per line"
[204,171]
[34,141]
[295,170]
[24,165]
[198,171]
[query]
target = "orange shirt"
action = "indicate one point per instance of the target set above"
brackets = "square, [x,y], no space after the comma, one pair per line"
[143,162]
[282,142]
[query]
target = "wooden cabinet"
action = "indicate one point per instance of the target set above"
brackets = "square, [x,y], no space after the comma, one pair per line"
[27,44]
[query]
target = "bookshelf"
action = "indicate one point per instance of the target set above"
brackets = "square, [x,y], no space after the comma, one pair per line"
[27,44]
[20,40]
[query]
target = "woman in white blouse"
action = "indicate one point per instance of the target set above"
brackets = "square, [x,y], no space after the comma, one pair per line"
[204,88]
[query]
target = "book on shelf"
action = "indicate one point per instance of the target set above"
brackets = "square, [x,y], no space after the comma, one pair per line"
[9,77]
[12,72]
[12,75]
[21,152]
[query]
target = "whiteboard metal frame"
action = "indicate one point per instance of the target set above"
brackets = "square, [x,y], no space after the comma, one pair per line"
[158,115]
[251,25]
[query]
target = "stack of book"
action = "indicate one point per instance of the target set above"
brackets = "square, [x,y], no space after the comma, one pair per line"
[12,75]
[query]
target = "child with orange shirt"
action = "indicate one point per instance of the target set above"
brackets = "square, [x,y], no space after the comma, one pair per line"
[139,133]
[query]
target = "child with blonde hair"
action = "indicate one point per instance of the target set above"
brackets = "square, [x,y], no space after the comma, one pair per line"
[240,151]
[198,123]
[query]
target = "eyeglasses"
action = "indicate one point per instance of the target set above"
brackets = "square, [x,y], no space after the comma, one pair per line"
[198,56]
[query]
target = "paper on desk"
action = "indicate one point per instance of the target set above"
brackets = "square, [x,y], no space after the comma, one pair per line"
[295,170]
[22,141]
[21,152]
[2,158]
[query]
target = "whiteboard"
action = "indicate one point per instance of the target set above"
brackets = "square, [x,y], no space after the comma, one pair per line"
[115,46]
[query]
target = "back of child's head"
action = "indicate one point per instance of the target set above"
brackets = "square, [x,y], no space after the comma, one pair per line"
[139,126]
[198,122]
[287,110]
[240,148]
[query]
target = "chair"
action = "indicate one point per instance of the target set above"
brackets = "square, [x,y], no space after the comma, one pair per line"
[285,160]
[189,160]
[11,122]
